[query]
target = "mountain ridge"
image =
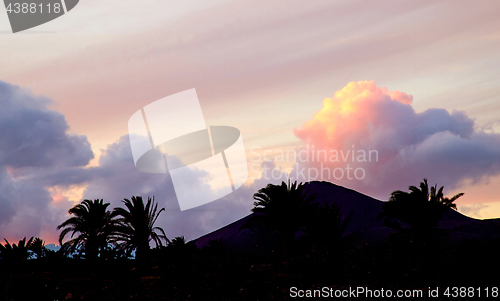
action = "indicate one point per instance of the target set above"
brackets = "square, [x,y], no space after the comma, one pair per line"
[365,226]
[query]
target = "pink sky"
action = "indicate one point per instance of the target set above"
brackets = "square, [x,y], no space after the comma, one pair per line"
[264,68]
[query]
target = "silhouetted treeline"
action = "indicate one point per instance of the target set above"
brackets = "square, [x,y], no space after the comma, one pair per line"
[309,250]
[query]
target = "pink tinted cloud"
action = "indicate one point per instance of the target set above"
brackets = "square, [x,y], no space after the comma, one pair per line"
[444,147]
[350,113]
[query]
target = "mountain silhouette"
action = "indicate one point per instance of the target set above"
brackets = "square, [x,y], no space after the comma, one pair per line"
[364,228]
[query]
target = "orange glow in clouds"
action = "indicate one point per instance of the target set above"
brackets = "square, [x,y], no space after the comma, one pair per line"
[445,147]
[351,112]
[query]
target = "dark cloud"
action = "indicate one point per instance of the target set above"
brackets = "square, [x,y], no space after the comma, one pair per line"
[34,143]
[33,136]
[39,158]
[117,178]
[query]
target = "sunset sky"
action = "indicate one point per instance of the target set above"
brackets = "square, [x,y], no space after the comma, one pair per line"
[418,81]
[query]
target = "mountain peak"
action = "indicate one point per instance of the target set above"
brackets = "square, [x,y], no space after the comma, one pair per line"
[365,226]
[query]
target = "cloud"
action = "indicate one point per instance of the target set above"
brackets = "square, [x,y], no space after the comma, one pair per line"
[34,136]
[40,160]
[472,209]
[445,147]
[34,142]
[117,178]
[248,54]
[442,146]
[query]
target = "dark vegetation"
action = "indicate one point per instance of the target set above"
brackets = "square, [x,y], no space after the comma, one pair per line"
[309,251]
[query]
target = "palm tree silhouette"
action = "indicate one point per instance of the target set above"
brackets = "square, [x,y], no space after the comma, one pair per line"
[37,247]
[282,208]
[94,224]
[326,224]
[16,252]
[179,247]
[421,208]
[136,226]
[178,242]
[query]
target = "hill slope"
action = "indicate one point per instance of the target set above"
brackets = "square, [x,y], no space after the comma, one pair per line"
[364,226]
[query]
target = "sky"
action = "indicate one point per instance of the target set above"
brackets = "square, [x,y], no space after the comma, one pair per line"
[415,82]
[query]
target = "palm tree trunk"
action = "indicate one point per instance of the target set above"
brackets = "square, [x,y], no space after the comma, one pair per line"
[142,252]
